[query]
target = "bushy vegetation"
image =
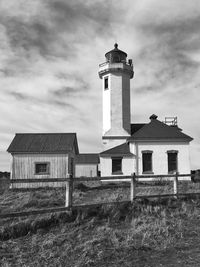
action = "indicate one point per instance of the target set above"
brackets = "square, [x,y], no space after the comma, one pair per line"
[4,184]
[4,174]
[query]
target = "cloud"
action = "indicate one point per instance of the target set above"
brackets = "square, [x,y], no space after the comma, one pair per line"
[93,12]
[60,101]
[78,86]
[167,51]
[64,91]
[56,27]
[19,96]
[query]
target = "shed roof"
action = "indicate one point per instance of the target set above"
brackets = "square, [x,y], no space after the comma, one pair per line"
[157,130]
[87,158]
[121,150]
[43,143]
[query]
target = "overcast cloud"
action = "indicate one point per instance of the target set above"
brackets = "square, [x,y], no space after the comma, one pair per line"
[49,56]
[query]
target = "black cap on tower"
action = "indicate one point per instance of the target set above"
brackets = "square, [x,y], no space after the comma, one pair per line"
[116,55]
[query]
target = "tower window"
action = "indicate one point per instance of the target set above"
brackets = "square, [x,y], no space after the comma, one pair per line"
[116,165]
[172,161]
[147,161]
[106,83]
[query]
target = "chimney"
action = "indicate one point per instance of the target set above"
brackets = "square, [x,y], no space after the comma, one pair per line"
[153,117]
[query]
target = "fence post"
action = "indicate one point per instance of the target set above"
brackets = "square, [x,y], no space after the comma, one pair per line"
[176,185]
[69,192]
[133,187]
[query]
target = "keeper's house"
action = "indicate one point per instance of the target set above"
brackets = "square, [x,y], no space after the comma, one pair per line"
[152,148]
[43,155]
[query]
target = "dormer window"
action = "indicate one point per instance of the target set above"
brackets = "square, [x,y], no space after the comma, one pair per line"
[106,83]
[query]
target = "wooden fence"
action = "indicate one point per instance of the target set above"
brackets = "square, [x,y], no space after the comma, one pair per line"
[71,180]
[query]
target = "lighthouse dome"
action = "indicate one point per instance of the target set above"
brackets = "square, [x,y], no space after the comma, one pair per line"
[116,55]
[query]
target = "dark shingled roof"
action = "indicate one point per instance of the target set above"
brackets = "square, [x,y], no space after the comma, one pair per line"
[157,130]
[43,143]
[121,150]
[136,126]
[87,158]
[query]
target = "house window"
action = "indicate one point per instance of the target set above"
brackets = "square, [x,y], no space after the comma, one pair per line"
[72,167]
[172,161]
[106,83]
[117,165]
[42,168]
[147,161]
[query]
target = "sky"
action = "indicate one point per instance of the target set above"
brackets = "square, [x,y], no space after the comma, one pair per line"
[50,52]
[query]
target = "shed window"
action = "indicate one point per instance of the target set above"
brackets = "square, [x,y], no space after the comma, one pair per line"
[42,168]
[147,161]
[117,165]
[172,161]
[106,83]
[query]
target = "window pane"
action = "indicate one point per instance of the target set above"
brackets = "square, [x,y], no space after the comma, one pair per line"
[41,168]
[116,165]
[172,162]
[106,83]
[72,166]
[147,162]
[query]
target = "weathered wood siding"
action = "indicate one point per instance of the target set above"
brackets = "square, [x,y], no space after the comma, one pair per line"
[23,167]
[88,170]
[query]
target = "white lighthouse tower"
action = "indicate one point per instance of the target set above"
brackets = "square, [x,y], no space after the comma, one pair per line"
[116,73]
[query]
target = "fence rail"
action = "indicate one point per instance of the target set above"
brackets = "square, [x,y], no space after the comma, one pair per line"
[69,190]
[97,178]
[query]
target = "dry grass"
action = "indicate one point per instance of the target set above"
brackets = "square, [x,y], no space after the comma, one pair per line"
[113,235]
[11,201]
[148,233]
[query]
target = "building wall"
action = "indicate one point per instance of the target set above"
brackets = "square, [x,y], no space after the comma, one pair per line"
[116,109]
[87,170]
[116,105]
[128,166]
[106,106]
[159,156]
[23,167]
[126,110]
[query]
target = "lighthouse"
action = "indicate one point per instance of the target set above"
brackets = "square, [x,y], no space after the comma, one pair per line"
[116,73]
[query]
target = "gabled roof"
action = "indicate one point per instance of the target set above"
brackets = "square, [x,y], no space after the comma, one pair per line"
[43,143]
[87,158]
[157,130]
[121,150]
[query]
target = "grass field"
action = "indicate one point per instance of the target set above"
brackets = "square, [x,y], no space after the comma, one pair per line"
[146,233]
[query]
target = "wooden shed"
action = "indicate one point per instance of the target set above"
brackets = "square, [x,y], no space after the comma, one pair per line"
[42,155]
[87,165]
